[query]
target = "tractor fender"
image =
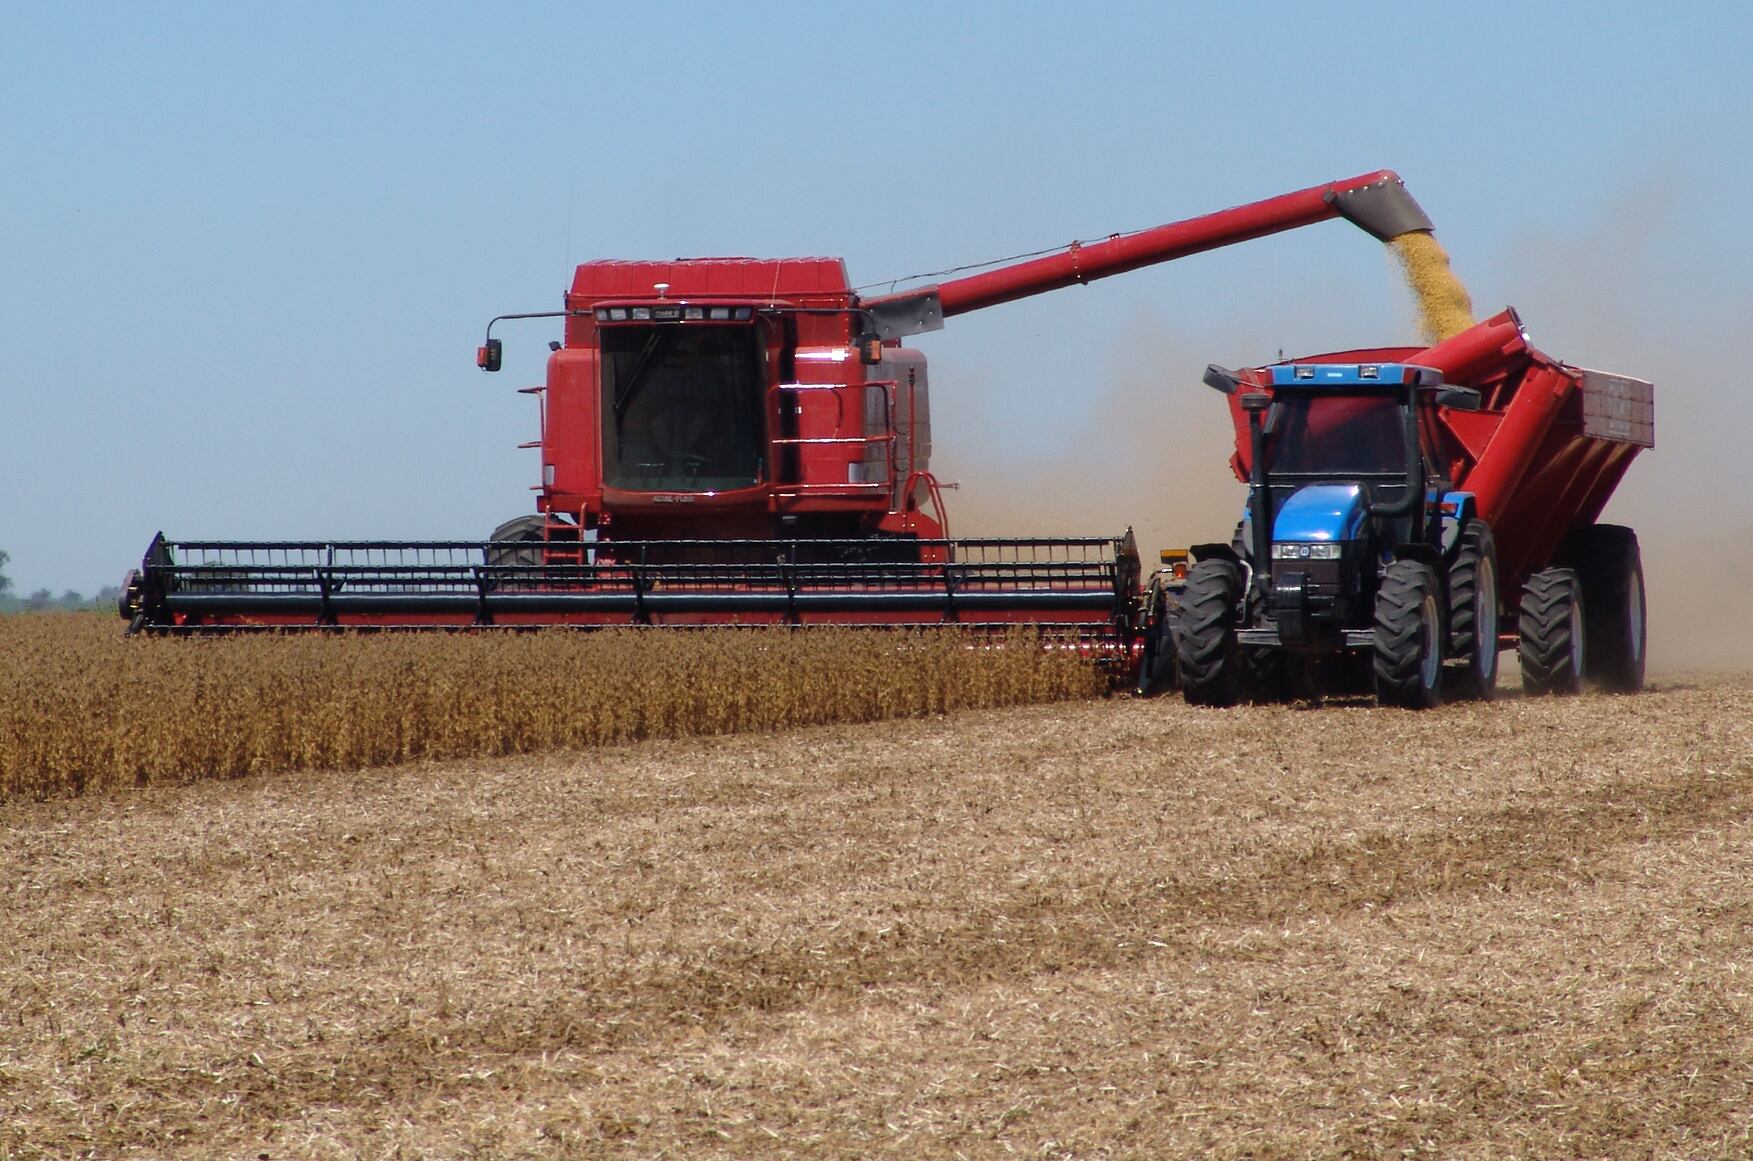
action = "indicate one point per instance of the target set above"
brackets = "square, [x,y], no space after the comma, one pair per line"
[1421,552]
[1457,508]
[1199,552]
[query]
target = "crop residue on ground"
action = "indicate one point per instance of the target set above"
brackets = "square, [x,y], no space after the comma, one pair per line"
[1089,929]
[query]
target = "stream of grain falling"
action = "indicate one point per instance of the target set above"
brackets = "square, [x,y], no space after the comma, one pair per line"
[1444,307]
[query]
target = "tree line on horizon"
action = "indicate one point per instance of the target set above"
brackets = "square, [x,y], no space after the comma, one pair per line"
[45,601]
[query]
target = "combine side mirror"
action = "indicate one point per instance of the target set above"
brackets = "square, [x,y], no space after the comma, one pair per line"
[1459,398]
[1221,379]
[488,357]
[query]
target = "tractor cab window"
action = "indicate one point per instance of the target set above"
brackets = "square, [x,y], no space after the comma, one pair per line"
[682,407]
[1321,434]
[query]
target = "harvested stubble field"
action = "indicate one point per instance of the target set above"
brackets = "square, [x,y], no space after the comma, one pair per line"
[1096,928]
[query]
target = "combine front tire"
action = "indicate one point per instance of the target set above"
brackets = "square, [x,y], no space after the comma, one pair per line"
[1552,626]
[1409,636]
[518,542]
[1156,668]
[1610,567]
[1473,613]
[1205,636]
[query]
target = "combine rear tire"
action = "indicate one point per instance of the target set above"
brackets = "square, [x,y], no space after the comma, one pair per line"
[1608,562]
[1205,636]
[1409,636]
[1156,668]
[1552,626]
[1473,613]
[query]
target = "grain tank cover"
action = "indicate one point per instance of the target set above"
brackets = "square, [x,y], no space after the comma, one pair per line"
[752,279]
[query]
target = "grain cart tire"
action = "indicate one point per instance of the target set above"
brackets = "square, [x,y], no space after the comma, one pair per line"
[1409,636]
[1473,613]
[529,531]
[1205,636]
[1157,664]
[1616,624]
[1552,626]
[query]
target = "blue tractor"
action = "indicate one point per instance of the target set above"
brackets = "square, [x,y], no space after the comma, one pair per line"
[1357,565]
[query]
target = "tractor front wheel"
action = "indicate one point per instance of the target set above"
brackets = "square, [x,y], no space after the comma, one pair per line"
[1409,636]
[1552,627]
[1205,636]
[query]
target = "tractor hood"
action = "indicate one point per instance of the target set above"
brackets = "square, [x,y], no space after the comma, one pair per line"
[1321,512]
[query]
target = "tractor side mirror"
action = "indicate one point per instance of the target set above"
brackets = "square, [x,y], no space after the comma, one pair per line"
[1221,379]
[1459,398]
[488,357]
[1252,401]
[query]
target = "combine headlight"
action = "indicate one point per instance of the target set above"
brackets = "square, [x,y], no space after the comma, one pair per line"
[1322,550]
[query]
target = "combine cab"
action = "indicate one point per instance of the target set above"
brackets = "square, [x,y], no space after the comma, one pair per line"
[734,441]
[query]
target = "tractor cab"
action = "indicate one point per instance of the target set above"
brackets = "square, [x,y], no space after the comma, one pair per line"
[1346,474]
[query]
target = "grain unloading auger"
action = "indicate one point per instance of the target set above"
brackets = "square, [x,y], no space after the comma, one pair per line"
[733,441]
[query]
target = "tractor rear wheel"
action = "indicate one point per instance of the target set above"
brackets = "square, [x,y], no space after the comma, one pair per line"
[1409,636]
[1552,628]
[1205,636]
[1608,562]
[1473,613]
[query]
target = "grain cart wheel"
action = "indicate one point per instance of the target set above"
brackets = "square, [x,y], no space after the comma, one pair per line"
[1409,636]
[1553,629]
[1205,636]
[1156,667]
[1615,626]
[1473,613]
[529,532]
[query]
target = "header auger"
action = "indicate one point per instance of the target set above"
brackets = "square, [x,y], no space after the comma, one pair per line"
[735,441]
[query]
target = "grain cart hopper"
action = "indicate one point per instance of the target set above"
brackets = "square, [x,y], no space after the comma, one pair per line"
[735,441]
[1410,511]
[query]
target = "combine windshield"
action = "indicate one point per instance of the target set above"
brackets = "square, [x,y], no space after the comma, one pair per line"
[681,408]
[1320,434]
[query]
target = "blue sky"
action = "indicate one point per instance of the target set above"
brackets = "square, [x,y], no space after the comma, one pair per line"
[249,249]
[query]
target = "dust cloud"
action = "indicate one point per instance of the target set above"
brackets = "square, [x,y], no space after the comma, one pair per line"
[1634,286]
[1153,453]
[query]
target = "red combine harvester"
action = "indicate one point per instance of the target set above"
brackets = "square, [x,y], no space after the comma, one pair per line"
[1410,514]
[731,441]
